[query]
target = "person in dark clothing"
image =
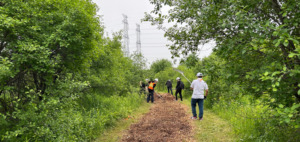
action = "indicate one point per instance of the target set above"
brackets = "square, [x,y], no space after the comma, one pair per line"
[169,86]
[142,88]
[151,87]
[179,88]
[146,85]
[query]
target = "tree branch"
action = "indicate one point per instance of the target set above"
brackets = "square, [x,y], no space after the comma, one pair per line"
[278,10]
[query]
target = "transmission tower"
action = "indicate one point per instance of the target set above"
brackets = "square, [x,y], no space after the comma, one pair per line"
[125,37]
[138,39]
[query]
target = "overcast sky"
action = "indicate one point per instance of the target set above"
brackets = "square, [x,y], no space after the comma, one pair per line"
[153,43]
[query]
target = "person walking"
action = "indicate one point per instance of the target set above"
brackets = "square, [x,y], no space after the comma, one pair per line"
[200,91]
[179,88]
[151,87]
[169,86]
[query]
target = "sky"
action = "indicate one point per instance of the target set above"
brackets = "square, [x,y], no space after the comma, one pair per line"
[153,42]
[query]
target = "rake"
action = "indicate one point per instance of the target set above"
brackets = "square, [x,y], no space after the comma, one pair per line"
[181,72]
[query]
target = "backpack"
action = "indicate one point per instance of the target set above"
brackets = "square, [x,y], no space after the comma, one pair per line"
[181,85]
[151,84]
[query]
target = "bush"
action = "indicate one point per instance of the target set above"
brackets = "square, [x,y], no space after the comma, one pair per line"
[69,120]
[253,119]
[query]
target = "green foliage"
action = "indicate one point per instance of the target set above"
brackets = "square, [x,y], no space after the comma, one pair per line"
[110,70]
[67,121]
[257,121]
[253,118]
[60,78]
[42,41]
[253,37]
[164,76]
[255,65]
[160,65]
[190,61]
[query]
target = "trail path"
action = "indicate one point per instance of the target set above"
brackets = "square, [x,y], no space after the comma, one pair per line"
[166,121]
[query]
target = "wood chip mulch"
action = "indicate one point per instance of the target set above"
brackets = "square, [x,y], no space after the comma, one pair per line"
[167,121]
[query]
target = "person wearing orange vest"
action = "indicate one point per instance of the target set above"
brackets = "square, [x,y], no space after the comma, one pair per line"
[151,86]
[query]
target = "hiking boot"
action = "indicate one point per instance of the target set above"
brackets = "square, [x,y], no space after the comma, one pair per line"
[193,118]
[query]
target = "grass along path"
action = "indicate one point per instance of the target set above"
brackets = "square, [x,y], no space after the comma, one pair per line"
[212,128]
[115,133]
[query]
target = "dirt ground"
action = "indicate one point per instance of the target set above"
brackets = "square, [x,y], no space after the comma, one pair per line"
[166,121]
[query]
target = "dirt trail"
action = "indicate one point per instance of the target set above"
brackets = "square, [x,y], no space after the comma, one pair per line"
[167,121]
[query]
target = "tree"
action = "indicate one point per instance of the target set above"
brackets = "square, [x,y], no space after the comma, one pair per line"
[44,46]
[259,39]
[160,65]
[191,60]
[42,40]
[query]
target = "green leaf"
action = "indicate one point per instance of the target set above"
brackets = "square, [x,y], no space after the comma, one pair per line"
[284,68]
[280,106]
[295,41]
[290,115]
[266,73]
[243,51]
[277,44]
[284,14]
[287,120]
[291,55]
[247,76]
[286,43]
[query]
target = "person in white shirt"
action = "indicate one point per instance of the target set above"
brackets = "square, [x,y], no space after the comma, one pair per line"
[200,91]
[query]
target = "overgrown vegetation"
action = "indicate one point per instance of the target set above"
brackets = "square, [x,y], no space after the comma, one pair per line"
[254,73]
[60,78]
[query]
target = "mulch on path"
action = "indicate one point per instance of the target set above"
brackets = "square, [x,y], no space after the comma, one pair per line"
[167,121]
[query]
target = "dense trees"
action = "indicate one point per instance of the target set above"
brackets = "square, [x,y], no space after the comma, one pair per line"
[260,39]
[160,65]
[62,79]
[58,73]
[41,41]
[256,58]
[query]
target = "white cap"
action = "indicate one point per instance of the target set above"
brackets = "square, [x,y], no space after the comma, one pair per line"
[199,74]
[156,79]
[178,78]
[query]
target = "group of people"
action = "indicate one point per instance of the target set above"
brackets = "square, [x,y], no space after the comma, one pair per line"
[198,86]
[148,87]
